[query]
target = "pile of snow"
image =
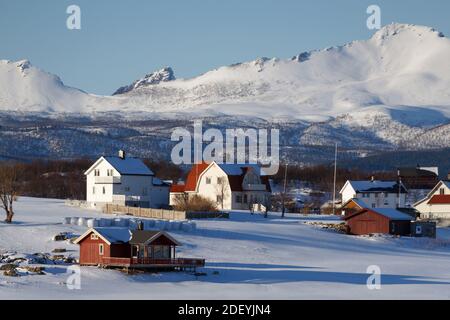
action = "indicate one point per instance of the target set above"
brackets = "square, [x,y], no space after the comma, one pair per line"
[132,223]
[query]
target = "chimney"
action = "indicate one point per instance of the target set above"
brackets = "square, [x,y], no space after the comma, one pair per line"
[140,225]
[121,154]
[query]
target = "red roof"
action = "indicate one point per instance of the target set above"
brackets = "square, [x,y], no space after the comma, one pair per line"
[440,199]
[192,178]
[177,188]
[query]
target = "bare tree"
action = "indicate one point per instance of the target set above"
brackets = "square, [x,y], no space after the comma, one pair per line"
[9,189]
[222,187]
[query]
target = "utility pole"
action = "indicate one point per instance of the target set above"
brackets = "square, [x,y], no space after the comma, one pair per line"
[284,191]
[399,188]
[334,182]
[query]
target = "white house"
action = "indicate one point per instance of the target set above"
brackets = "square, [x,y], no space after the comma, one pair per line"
[230,186]
[437,203]
[375,193]
[125,181]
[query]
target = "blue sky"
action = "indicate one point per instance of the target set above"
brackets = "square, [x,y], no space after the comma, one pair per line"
[121,41]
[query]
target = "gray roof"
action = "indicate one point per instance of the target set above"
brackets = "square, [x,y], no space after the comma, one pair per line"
[142,236]
[115,234]
[129,166]
[376,186]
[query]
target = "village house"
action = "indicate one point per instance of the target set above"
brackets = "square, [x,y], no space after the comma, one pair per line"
[375,193]
[121,247]
[230,186]
[124,181]
[436,205]
[419,181]
[379,220]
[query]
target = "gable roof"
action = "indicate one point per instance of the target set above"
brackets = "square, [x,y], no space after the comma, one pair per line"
[129,166]
[375,186]
[392,214]
[360,203]
[148,236]
[108,234]
[440,199]
[235,173]
[430,194]
[126,166]
[124,235]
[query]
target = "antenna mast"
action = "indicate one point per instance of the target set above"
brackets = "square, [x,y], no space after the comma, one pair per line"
[334,182]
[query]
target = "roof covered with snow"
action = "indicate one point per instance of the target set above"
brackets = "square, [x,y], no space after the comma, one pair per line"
[239,169]
[376,186]
[392,214]
[129,166]
[114,234]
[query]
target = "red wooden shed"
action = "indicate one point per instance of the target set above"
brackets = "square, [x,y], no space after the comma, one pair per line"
[379,220]
[121,247]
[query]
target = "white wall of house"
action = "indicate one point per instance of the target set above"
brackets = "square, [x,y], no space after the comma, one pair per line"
[373,199]
[213,184]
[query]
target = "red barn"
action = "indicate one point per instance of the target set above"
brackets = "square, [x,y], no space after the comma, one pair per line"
[379,220]
[120,247]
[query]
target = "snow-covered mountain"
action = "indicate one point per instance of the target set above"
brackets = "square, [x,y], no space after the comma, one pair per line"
[163,75]
[400,66]
[391,91]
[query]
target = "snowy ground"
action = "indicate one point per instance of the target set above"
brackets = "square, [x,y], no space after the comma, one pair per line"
[255,258]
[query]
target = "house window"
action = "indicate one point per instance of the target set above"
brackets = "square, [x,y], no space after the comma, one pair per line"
[104,190]
[442,191]
[127,188]
[110,172]
[101,249]
[94,236]
[219,180]
[373,205]
[238,198]
[219,198]
[97,172]
[93,190]
[365,195]
[208,180]
[245,198]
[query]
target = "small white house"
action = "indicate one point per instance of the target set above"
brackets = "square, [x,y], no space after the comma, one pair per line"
[375,193]
[230,186]
[437,203]
[125,181]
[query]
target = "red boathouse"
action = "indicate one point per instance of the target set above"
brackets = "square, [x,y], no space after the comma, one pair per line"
[379,220]
[121,247]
